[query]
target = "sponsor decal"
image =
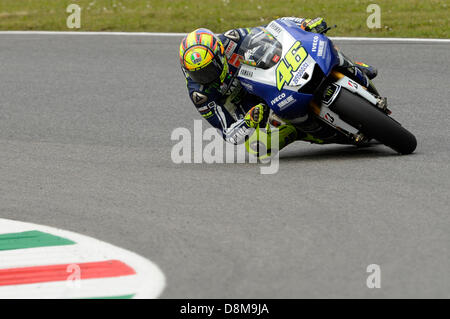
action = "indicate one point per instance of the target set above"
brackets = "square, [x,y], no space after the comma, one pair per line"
[352,84]
[330,94]
[287,102]
[329,118]
[196,58]
[230,48]
[199,98]
[233,35]
[322,46]
[235,60]
[246,73]
[274,28]
[276,58]
[299,74]
[278,98]
[238,133]
[314,45]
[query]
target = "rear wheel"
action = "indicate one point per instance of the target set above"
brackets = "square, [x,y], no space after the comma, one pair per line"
[372,122]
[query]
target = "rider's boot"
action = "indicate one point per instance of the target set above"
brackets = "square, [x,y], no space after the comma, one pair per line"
[360,72]
[364,73]
[265,143]
[369,70]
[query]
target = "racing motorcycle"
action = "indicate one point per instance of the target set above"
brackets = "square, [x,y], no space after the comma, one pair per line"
[295,72]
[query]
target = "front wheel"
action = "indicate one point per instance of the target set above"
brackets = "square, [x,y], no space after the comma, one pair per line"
[373,123]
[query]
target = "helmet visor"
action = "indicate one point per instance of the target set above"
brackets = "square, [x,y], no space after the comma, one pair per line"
[207,74]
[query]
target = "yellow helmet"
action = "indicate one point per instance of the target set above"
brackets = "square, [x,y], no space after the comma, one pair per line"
[202,57]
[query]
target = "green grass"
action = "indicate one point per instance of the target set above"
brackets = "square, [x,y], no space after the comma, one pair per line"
[399,18]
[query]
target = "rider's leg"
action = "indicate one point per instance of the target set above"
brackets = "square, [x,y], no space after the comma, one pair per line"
[264,143]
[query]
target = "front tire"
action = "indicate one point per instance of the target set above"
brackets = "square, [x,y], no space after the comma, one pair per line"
[373,123]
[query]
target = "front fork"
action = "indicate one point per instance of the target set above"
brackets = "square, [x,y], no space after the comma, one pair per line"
[324,113]
[331,92]
[352,86]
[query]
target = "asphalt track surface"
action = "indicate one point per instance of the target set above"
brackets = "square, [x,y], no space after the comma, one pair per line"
[85,125]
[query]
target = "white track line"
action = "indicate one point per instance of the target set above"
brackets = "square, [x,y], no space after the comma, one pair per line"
[152,34]
[391,39]
[159,34]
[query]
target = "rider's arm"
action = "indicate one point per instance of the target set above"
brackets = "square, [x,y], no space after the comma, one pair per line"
[208,105]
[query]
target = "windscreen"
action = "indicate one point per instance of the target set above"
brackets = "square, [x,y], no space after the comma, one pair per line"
[260,49]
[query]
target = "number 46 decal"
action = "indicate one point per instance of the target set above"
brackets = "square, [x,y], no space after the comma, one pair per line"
[291,62]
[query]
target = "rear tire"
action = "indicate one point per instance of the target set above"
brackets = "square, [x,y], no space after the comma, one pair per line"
[373,123]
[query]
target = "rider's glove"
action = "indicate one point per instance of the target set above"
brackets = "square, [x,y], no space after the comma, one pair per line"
[254,116]
[316,25]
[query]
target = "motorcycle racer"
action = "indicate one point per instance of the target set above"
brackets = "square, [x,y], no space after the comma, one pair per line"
[210,63]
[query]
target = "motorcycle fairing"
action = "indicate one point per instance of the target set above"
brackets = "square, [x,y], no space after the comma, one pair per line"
[287,99]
